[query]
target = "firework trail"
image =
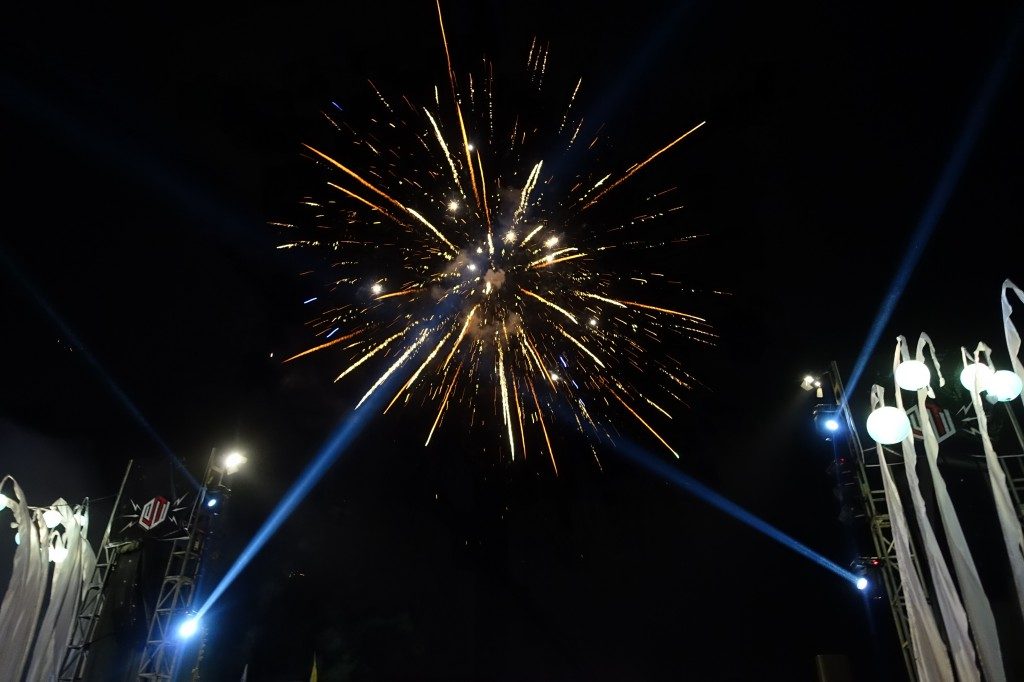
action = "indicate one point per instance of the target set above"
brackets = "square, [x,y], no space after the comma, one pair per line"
[452,250]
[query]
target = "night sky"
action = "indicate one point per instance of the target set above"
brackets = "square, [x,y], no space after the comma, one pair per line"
[146,150]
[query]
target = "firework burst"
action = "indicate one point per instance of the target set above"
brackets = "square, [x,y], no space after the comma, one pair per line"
[465,257]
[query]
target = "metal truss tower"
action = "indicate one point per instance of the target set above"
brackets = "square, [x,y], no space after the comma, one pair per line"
[163,647]
[868,474]
[83,629]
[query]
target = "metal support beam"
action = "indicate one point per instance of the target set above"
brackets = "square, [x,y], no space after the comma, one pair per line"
[76,654]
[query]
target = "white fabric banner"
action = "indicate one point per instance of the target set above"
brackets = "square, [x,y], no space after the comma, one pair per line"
[1010,330]
[1009,523]
[23,600]
[954,618]
[974,599]
[930,656]
[65,594]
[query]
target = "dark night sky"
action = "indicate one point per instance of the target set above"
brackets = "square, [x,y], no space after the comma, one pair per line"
[145,150]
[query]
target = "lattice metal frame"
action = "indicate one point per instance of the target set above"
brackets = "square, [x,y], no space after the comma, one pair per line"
[872,494]
[76,654]
[163,648]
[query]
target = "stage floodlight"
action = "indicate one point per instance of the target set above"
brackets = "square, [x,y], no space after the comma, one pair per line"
[912,375]
[212,502]
[1004,386]
[233,461]
[832,424]
[188,627]
[862,584]
[888,425]
[977,372]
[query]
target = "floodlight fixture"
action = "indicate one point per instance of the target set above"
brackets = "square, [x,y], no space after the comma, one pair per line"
[233,461]
[188,627]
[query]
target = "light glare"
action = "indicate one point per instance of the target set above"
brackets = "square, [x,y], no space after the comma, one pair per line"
[188,627]
[862,584]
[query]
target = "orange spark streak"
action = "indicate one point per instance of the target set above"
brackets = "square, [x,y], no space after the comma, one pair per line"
[641,420]
[323,345]
[458,108]
[519,411]
[632,171]
[550,304]
[546,263]
[387,196]
[540,416]
[487,211]
[403,292]
[444,403]
[368,203]
[623,304]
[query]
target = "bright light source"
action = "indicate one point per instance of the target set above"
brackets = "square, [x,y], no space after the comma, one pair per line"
[4,501]
[593,322]
[453,206]
[831,424]
[554,377]
[912,375]
[510,236]
[808,379]
[188,627]
[977,372]
[472,267]
[58,554]
[808,383]
[888,425]
[17,538]
[212,502]
[1004,386]
[817,384]
[862,584]
[233,461]
[550,241]
[81,519]
[52,518]
[376,289]
[470,146]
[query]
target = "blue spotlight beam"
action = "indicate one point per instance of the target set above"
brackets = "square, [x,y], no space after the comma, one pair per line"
[97,368]
[691,485]
[939,198]
[329,453]
[343,435]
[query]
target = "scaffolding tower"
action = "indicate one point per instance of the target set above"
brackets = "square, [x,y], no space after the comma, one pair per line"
[868,473]
[83,628]
[164,646]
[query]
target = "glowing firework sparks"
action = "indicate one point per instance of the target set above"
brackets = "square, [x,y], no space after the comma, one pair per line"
[491,266]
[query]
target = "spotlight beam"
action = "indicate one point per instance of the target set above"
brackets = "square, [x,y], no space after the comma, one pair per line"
[343,435]
[940,196]
[691,485]
[96,367]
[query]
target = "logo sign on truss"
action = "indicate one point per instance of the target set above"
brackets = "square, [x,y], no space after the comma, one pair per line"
[154,512]
[942,421]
